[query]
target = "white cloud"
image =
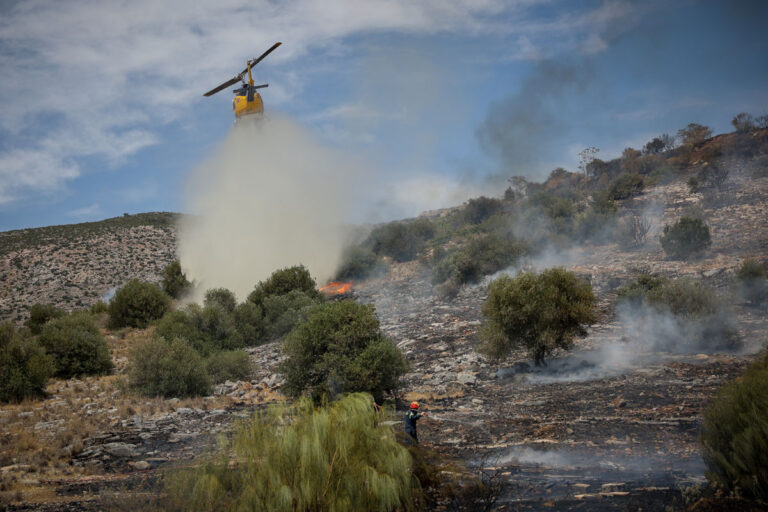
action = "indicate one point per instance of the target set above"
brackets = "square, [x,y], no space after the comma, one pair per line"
[97,78]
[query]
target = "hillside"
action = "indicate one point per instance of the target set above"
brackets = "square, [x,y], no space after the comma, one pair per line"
[74,265]
[611,425]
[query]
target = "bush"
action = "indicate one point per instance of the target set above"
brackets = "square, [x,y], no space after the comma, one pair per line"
[356,263]
[685,238]
[167,368]
[283,312]
[337,457]
[222,298]
[283,281]
[699,319]
[24,366]
[751,282]
[137,304]
[626,185]
[174,281]
[633,231]
[743,123]
[249,322]
[76,345]
[711,176]
[229,365]
[734,434]
[480,257]
[40,314]
[694,133]
[480,208]
[401,241]
[539,312]
[99,307]
[340,349]
[207,329]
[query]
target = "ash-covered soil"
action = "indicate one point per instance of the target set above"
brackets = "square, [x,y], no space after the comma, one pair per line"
[613,425]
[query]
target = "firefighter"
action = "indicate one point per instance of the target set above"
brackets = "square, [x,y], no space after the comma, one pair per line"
[411,417]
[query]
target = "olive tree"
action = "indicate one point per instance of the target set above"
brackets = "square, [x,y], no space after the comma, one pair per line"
[538,312]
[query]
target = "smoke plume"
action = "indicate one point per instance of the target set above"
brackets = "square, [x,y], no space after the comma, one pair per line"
[270,197]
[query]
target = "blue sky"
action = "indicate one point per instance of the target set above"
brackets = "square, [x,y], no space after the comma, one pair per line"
[101,107]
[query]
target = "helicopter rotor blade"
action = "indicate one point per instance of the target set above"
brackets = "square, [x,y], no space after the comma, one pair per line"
[261,57]
[224,85]
[260,86]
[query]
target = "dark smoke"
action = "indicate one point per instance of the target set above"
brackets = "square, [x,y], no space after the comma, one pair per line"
[521,129]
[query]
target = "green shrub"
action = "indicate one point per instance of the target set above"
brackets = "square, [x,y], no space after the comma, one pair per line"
[137,304]
[207,329]
[283,312]
[228,365]
[702,320]
[222,298]
[540,312]
[24,366]
[751,281]
[480,208]
[340,349]
[76,345]
[40,314]
[734,434]
[283,281]
[743,123]
[626,185]
[169,369]
[560,210]
[685,238]
[357,262]
[694,133]
[249,321]
[298,458]
[99,307]
[480,257]
[401,241]
[174,281]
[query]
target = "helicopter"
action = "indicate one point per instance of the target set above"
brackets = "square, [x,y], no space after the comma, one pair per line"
[247,101]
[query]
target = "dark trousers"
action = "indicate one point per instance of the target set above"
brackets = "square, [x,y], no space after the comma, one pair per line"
[411,437]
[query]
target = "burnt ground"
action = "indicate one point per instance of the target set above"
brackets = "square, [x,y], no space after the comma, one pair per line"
[588,432]
[577,435]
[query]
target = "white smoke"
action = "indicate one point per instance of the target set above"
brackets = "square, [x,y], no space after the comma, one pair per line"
[270,197]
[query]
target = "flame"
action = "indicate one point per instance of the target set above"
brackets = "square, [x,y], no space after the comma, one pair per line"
[336,288]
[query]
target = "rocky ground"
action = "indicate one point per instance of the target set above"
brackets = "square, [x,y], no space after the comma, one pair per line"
[588,432]
[74,266]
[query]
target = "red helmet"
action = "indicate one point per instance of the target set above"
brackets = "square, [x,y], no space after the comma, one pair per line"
[414,405]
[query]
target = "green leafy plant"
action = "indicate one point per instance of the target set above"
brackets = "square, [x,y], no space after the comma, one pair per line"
[357,262]
[480,257]
[167,368]
[228,365]
[40,314]
[752,282]
[137,304]
[283,312]
[626,185]
[222,298]
[540,312]
[685,238]
[24,366]
[174,281]
[337,457]
[76,345]
[283,281]
[734,434]
[480,208]
[401,241]
[339,348]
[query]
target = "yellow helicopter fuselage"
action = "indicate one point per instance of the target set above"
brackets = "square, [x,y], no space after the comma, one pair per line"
[243,107]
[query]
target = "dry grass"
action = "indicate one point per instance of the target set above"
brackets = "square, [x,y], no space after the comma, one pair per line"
[39,438]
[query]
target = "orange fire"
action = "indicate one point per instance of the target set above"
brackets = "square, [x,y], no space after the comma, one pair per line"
[336,288]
